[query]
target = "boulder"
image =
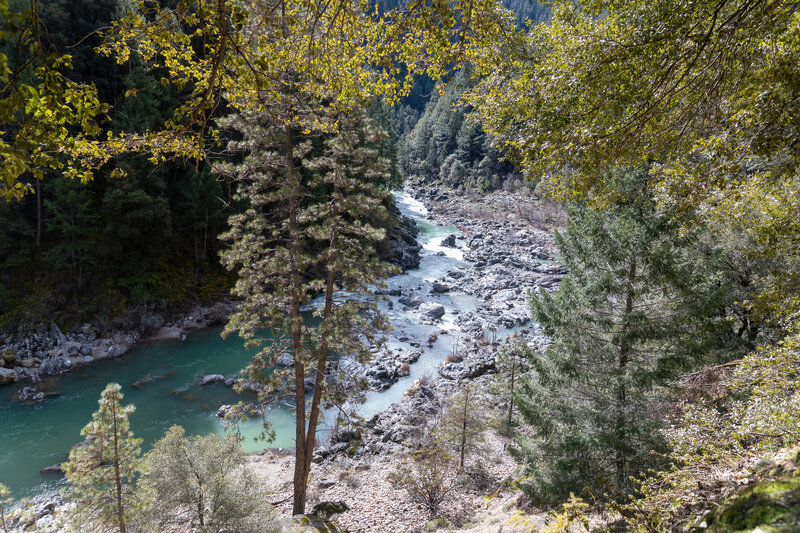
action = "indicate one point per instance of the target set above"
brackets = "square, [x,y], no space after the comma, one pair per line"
[7,376]
[30,395]
[211,379]
[167,333]
[449,241]
[440,288]
[52,469]
[432,311]
[410,301]
[99,352]
[328,509]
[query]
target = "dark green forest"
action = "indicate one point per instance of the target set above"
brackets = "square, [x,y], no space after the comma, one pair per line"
[144,235]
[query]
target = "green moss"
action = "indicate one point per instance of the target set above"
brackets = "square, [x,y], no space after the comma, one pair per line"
[769,506]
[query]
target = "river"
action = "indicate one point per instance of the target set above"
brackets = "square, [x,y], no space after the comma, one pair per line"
[161,379]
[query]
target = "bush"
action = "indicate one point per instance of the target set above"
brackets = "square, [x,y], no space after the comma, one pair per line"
[428,478]
[203,478]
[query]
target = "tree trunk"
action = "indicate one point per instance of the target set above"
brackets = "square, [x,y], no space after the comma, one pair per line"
[205,237]
[38,212]
[322,356]
[464,428]
[3,518]
[622,401]
[511,396]
[201,506]
[117,477]
[301,444]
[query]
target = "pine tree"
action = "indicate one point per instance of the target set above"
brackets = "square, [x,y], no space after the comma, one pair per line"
[101,472]
[509,372]
[73,218]
[463,423]
[308,230]
[634,310]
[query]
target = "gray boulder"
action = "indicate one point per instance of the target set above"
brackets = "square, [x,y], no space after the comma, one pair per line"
[449,241]
[410,301]
[440,287]
[432,311]
[7,376]
[210,379]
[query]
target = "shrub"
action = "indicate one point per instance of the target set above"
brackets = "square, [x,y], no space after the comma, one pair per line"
[203,478]
[428,478]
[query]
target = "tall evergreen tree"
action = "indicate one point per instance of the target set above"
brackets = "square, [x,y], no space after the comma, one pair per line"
[102,471]
[73,218]
[633,311]
[308,230]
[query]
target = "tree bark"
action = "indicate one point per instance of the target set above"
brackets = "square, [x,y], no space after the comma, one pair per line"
[511,396]
[301,444]
[117,477]
[38,212]
[622,401]
[3,518]
[464,428]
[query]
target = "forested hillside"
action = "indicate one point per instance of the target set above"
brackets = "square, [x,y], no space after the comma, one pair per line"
[74,251]
[445,143]
[139,234]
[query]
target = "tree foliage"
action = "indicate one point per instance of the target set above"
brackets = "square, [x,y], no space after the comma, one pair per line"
[447,146]
[309,229]
[428,478]
[463,424]
[203,477]
[635,310]
[102,471]
[703,92]
[43,112]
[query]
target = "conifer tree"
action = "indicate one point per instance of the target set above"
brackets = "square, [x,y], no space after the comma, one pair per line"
[463,423]
[633,311]
[74,219]
[308,230]
[101,472]
[509,371]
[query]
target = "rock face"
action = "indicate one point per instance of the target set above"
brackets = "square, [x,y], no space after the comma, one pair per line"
[400,246]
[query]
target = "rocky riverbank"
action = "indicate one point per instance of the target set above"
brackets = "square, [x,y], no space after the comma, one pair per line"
[508,256]
[32,351]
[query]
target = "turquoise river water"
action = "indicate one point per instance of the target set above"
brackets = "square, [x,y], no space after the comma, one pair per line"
[36,436]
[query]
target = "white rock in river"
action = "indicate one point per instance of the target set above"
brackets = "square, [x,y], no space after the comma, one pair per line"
[432,310]
[211,379]
[7,376]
